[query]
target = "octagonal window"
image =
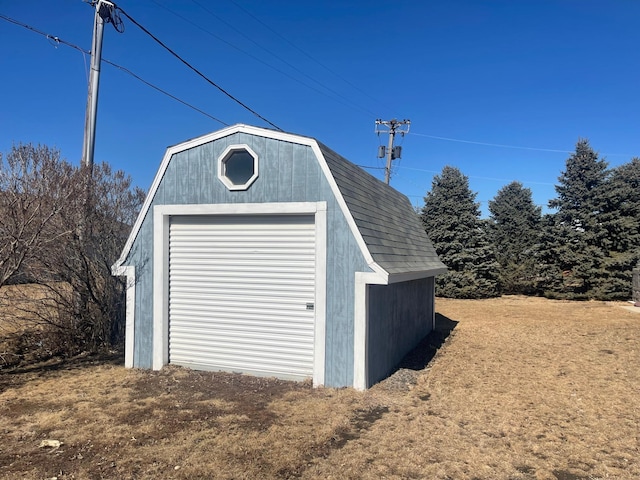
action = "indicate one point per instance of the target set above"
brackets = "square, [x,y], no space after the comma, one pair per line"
[238,167]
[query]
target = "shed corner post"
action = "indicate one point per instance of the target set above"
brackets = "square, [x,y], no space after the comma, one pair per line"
[160,287]
[130,307]
[361,326]
[320,328]
[432,295]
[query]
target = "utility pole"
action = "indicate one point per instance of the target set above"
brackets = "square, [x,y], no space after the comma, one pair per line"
[105,13]
[393,126]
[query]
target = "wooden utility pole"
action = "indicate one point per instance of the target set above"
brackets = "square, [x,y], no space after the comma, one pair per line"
[105,13]
[391,152]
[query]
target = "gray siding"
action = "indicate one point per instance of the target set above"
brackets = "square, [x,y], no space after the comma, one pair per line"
[400,315]
[287,173]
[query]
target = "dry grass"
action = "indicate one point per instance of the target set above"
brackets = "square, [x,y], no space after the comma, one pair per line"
[25,312]
[24,306]
[523,389]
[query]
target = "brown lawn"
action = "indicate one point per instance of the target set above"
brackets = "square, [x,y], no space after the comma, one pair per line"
[523,388]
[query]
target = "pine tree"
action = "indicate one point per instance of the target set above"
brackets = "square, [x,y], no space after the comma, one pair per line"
[573,254]
[620,217]
[451,218]
[515,233]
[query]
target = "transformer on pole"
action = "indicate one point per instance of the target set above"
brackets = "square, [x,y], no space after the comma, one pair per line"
[393,126]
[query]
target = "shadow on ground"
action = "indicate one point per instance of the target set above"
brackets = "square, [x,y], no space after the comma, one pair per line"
[406,373]
[18,375]
[419,357]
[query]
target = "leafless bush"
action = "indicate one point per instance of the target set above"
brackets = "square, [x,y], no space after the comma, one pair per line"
[64,226]
[35,184]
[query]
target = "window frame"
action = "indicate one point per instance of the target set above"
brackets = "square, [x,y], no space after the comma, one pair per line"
[225,156]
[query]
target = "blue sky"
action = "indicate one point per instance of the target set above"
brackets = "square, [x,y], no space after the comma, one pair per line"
[501,89]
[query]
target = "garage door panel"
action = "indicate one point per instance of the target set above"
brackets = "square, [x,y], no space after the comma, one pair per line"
[201,290]
[206,274]
[268,346]
[253,367]
[238,311]
[242,357]
[272,338]
[239,318]
[239,294]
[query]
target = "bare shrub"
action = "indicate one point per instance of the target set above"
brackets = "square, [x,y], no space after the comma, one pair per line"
[87,216]
[35,184]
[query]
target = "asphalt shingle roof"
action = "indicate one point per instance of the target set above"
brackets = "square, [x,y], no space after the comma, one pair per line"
[390,227]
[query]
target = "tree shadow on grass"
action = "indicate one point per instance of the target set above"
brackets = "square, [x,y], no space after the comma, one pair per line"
[16,376]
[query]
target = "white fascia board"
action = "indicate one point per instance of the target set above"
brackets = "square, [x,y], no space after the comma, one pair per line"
[311,142]
[345,210]
[408,276]
[158,179]
[260,132]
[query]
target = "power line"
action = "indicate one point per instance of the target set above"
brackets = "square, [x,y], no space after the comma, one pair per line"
[59,41]
[309,56]
[370,167]
[126,70]
[336,95]
[56,40]
[479,178]
[198,72]
[500,145]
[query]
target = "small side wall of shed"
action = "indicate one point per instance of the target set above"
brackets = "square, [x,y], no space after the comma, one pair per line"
[288,173]
[400,316]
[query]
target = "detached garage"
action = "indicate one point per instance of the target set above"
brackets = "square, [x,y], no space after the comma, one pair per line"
[267,253]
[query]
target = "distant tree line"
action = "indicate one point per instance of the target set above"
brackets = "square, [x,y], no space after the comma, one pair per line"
[585,249]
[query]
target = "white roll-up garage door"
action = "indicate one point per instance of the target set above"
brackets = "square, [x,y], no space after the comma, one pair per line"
[241,293]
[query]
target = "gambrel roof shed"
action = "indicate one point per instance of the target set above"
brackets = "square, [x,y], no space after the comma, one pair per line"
[268,253]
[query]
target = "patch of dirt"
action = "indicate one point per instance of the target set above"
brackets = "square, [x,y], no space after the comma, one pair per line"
[512,388]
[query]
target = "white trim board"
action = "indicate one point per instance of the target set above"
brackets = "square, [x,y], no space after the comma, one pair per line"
[161,218]
[361,325]
[130,309]
[256,131]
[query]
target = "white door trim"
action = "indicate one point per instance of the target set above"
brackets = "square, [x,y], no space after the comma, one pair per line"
[161,217]
[361,326]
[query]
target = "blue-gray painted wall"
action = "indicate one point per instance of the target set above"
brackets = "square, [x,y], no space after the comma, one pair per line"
[400,315]
[287,173]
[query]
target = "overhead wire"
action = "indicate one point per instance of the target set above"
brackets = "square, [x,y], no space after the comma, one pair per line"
[501,145]
[289,64]
[336,95]
[478,177]
[487,144]
[306,54]
[126,70]
[58,41]
[198,72]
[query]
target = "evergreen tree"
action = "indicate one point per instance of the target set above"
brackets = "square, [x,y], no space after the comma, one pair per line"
[451,218]
[515,232]
[620,218]
[573,255]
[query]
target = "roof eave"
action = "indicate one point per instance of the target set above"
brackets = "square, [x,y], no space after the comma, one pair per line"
[408,276]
